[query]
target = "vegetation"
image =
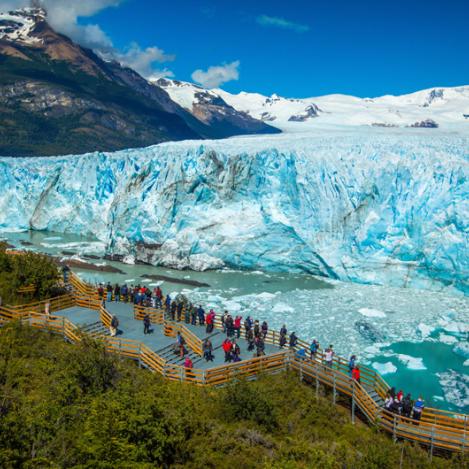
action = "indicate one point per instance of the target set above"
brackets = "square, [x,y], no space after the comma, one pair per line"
[110,115]
[77,406]
[28,269]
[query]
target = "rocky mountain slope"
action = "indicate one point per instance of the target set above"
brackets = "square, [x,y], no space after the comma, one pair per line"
[57,97]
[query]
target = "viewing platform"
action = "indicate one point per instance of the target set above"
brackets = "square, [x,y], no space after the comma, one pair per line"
[82,313]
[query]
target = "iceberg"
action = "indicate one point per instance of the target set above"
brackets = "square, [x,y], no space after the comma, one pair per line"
[374,207]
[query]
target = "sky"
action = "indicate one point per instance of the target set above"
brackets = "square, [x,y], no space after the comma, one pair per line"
[293,48]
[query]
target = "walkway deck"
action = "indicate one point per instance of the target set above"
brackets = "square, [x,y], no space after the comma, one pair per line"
[81,313]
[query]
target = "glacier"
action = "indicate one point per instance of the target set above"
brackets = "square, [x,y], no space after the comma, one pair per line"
[382,207]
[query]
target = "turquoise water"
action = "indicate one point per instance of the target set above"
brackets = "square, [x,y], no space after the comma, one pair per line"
[415,338]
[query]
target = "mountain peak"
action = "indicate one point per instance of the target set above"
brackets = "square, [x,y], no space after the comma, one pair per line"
[19,25]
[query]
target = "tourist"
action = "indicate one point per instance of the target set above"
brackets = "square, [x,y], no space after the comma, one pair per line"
[146,323]
[419,405]
[351,364]
[247,325]
[407,406]
[237,326]
[235,351]
[389,402]
[392,392]
[293,340]
[180,343]
[210,320]
[301,354]
[223,321]
[313,349]
[400,395]
[101,291]
[114,325]
[180,306]
[260,346]
[227,349]
[229,325]
[131,294]
[193,315]
[125,293]
[108,292]
[117,292]
[167,303]
[329,356]
[47,308]
[282,340]
[264,329]
[173,310]
[187,313]
[207,348]
[257,328]
[356,374]
[188,363]
[201,315]
[250,339]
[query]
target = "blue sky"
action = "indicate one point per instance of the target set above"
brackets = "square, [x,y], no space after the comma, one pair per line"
[298,48]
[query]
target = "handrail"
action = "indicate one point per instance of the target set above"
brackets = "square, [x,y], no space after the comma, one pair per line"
[444,429]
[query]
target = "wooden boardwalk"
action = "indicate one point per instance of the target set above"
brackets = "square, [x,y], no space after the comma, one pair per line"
[81,313]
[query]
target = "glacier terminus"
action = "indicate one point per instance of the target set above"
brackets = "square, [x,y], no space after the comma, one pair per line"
[376,207]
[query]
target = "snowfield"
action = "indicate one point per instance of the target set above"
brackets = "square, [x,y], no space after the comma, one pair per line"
[370,207]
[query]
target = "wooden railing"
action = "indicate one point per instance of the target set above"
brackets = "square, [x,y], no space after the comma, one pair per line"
[171,329]
[156,314]
[437,428]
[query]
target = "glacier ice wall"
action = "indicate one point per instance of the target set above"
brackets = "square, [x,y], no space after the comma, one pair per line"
[369,208]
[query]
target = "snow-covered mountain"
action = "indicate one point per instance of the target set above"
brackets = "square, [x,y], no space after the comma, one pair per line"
[446,107]
[367,206]
[57,97]
[430,108]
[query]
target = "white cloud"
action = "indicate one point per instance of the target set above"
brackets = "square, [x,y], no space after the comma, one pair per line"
[63,16]
[282,23]
[217,75]
[143,60]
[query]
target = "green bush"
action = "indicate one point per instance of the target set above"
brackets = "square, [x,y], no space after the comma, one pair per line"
[30,268]
[67,406]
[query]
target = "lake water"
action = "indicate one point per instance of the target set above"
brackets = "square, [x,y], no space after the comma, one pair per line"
[418,340]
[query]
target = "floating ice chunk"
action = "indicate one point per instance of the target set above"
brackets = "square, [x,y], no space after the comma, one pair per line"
[128,260]
[455,387]
[265,296]
[282,308]
[413,363]
[466,363]
[130,280]
[372,313]
[384,368]
[462,349]
[53,238]
[424,330]
[232,305]
[146,279]
[447,339]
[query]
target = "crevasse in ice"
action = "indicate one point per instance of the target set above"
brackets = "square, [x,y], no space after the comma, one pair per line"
[371,208]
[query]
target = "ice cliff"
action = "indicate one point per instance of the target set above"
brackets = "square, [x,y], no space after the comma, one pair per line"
[373,208]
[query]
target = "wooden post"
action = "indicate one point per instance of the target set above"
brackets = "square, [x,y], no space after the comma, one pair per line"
[464,434]
[317,382]
[431,444]
[394,430]
[353,403]
[334,392]
[139,353]
[301,370]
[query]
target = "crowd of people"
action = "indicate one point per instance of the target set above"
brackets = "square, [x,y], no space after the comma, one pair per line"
[255,333]
[399,404]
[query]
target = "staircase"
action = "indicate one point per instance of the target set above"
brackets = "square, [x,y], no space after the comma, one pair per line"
[95,329]
[167,353]
[375,396]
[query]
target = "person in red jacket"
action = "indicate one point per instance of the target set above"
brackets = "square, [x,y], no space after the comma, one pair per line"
[188,363]
[210,320]
[356,374]
[237,326]
[227,349]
